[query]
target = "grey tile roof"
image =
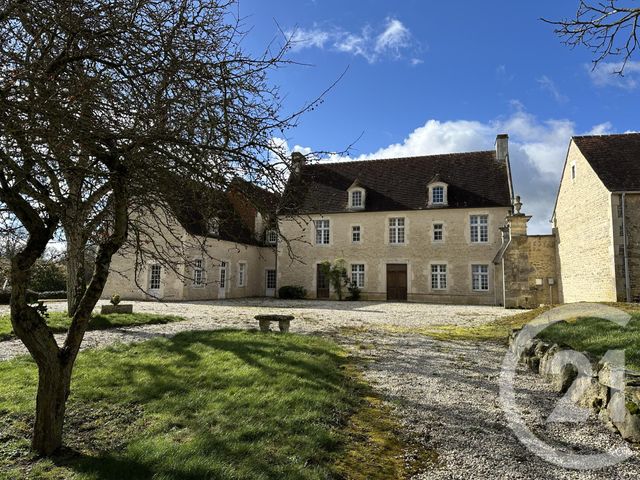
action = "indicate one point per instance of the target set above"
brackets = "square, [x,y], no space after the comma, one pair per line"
[614,158]
[475,179]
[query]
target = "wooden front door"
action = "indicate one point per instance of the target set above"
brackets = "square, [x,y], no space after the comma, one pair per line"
[396,281]
[322,283]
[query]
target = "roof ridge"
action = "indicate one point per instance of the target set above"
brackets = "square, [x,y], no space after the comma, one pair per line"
[605,135]
[341,162]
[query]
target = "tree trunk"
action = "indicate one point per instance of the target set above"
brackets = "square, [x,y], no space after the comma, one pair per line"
[54,382]
[76,274]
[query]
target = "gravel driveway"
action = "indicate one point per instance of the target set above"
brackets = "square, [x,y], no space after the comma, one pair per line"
[445,393]
[311,317]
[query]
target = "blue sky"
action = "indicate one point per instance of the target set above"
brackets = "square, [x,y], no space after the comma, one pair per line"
[434,77]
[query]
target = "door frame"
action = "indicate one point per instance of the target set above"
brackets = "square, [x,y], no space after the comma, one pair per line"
[270,292]
[222,283]
[406,287]
[317,282]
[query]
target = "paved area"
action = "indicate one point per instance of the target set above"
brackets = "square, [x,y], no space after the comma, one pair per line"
[445,393]
[311,317]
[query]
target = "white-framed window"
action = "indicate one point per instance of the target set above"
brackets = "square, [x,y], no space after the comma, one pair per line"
[480,277]
[322,232]
[479,228]
[271,279]
[198,272]
[438,277]
[242,274]
[438,232]
[356,234]
[223,275]
[396,230]
[154,277]
[356,199]
[357,274]
[271,236]
[437,195]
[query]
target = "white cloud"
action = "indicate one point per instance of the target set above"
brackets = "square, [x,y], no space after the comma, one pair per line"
[301,39]
[281,148]
[549,85]
[601,129]
[537,153]
[392,41]
[395,37]
[606,75]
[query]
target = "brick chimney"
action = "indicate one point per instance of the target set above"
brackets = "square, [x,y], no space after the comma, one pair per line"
[502,147]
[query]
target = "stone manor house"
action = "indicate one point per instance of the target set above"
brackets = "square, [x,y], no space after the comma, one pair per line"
[438,228]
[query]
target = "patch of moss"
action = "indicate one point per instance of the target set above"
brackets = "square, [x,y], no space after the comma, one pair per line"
[376,446]
[633,408]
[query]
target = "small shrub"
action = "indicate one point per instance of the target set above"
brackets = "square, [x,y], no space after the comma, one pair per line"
[115,299]
[292,292]
[354,292]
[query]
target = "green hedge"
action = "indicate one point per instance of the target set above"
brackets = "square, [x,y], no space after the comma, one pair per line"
[292,292]
[32,297]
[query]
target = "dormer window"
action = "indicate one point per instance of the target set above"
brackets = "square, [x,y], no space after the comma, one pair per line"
[356,196]
[271,237]
[437,195]
[356,199]
[437,192]
[213,227]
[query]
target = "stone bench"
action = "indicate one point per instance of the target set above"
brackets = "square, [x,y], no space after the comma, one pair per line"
[283,322]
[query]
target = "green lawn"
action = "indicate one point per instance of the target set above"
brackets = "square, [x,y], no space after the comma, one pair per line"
[223,405]
[59,322]
[597,336]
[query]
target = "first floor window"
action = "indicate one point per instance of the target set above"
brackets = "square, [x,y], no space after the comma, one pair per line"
[396,230]
[154,277]
[480,277]
[355,234]
[438,229]
[438,277]
[357,275]
[322,232]
[198,272]
[479,228]
[242,274]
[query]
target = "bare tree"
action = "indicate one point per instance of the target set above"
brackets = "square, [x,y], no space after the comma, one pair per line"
[106,106]
[608,28]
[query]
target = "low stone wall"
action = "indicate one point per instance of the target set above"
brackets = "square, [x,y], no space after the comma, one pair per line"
[598,391]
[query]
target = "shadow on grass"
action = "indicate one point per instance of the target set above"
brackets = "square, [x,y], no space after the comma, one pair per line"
[223,404]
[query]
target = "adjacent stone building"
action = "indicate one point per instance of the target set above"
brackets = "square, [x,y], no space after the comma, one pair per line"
[597,219]
[212,245]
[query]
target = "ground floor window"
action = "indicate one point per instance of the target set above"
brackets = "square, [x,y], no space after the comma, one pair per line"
[154,277]
[198,272]
[438,277]
[480,277]
[357,275]
[242,274]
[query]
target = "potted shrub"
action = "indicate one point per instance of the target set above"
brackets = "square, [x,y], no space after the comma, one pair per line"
[116,306]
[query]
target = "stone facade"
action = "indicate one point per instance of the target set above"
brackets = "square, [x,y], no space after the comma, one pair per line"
[298,259]
[529,266]
[583,225]
[632,228]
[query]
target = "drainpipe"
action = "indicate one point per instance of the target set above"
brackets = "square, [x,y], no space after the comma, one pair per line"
[627,284]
